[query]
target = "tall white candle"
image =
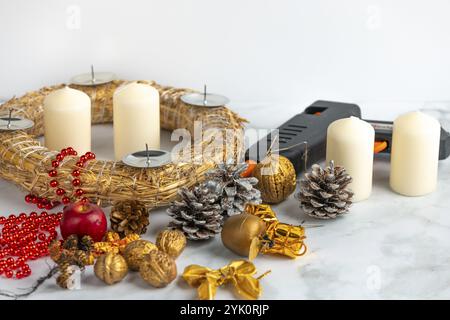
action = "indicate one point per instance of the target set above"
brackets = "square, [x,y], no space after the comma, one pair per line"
[67,120]
[136,118]
[350,144]
[415,154]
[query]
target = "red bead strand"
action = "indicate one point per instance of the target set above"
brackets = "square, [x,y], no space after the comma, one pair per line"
[44,203]
[23,238]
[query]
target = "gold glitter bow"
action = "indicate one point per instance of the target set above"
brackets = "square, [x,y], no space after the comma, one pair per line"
[239,273]
[280,238]
[113,243]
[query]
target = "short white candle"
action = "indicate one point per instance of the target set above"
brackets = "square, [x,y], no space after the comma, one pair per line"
[415,154]
[67,120]
[136,119]
[350,144]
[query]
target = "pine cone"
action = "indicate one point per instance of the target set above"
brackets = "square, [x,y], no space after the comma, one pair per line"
[129,217]
[197,214]
[66,271]
[86,244]
[71,243]
[324,193]
[234,191]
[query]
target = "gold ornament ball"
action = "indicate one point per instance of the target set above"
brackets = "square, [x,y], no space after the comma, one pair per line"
[111,268]
[276,178]
[135,252]
[240,232]
[171,242]
[158,269]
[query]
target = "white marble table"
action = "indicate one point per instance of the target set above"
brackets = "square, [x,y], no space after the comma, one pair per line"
[388,247]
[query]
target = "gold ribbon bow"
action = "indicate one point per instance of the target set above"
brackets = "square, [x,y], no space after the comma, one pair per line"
[239,273]
[280,238]
[113,243]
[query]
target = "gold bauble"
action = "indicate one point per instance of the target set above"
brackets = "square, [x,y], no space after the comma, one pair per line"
[241,233]
[135,252]
[111,268]
[276,178]
[158,269]
[171,242]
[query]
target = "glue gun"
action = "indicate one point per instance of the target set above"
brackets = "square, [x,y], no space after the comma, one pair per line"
[311,126]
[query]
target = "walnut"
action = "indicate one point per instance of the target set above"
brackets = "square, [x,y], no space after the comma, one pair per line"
[111,267]
[135,252]
[158,269]
[171,242]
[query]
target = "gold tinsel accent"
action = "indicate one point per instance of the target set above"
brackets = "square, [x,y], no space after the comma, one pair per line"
[276,178]
[25,162]
[114,243]
[129,217]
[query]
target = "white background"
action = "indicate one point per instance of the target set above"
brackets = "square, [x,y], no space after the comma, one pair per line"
[254,51]
[272,58]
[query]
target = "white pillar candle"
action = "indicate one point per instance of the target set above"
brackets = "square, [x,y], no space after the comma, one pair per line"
[350,144]
[415,154]
[67,120]
[136,118]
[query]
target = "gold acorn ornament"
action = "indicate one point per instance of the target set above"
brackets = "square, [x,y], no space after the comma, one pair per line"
[158,269]
[242,233]
[135,252]
[276,178]
[171,242]
[111,268]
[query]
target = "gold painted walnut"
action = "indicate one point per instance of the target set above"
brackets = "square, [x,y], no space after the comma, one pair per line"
[158,269]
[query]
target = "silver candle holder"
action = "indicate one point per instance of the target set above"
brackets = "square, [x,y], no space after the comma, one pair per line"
[10,123]
[93,78]
[205,99]
[148,158]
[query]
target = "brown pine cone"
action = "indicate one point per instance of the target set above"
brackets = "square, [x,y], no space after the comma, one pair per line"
[129,217]
[66,270]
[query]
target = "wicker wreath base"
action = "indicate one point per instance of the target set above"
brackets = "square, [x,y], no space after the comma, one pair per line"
[25,162]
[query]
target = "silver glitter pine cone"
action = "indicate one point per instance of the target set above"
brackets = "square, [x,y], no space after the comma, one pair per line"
[235,191]
[197,214]
[324,193]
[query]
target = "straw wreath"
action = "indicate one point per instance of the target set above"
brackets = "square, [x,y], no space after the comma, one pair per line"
[25,162]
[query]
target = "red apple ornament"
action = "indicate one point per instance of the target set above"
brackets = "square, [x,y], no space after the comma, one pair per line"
[83,219]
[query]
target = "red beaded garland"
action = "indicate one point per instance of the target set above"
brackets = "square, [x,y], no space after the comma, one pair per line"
[80,164]
[76,173]
[90,155]
[52,173]
[42,203]
[53,183]
[25,237]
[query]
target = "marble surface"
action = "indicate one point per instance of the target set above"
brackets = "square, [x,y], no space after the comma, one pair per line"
[388,247]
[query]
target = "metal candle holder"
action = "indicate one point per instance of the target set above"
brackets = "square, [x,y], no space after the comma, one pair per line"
[147,158]
[92,78]
[10,123]
[208,100]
